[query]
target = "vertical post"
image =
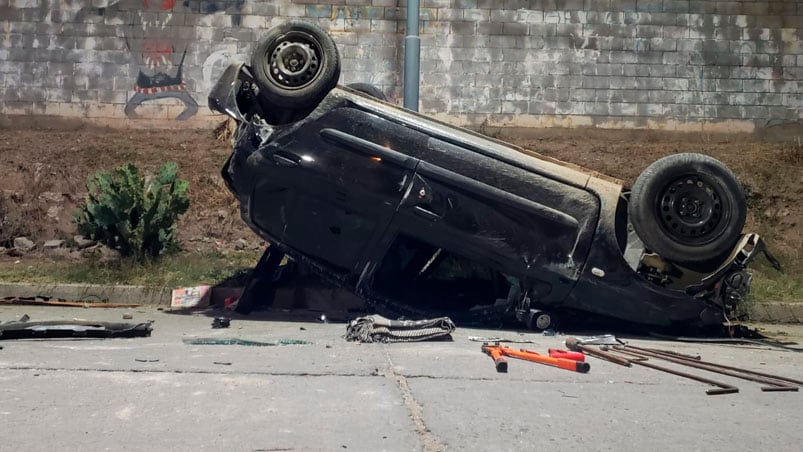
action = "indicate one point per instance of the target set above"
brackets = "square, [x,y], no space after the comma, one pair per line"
[412,56]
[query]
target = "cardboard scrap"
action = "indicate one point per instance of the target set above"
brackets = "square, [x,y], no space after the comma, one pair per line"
[191,297]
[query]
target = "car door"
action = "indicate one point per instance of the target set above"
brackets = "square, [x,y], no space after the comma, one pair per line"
[523,225]
[333,186]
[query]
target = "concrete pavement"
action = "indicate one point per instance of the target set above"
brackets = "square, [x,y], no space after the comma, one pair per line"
[159,393]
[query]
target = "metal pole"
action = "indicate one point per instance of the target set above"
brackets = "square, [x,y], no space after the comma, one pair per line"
[412,56]
[775,385]
[724,388]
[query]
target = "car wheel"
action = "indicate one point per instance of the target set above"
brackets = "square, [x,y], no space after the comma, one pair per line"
[540,320]
[295,65]
[368,89]
[688,208]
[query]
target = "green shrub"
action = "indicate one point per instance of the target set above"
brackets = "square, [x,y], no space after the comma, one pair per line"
[134,214]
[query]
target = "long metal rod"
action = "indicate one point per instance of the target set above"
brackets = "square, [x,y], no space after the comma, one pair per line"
[722,366]
[574,344]
[412,56]
[774,385]
[604,355]
[724,388]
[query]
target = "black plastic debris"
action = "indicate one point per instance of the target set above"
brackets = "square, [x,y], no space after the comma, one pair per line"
[375,328]
[55,329]
[221,322]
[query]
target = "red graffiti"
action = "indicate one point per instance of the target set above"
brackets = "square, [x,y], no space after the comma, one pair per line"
[164,6]
[156,48]
[157,53]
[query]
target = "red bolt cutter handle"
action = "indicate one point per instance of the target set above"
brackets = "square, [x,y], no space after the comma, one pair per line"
[576,356]
[495,352]
[568,364]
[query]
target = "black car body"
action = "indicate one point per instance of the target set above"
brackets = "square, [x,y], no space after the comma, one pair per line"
[420,217]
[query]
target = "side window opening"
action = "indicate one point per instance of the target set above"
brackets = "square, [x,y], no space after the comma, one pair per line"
[424,275]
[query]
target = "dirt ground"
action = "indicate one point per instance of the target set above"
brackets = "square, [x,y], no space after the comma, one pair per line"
[44,174]
[770,169]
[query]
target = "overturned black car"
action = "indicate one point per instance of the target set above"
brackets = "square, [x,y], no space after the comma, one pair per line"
[421,218]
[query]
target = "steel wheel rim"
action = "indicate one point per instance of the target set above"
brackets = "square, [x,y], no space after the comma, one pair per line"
[692,210]
[295,61]
[543,321]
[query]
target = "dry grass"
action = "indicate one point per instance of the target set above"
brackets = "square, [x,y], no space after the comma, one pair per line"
[177,270]
[791,153]
[224,132]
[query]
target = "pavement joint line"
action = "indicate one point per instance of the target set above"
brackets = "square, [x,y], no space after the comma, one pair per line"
[526,380]
[400,379]
[429,441]
[393,375]
[189,372]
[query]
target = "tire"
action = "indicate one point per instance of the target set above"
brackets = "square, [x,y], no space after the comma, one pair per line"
[688,208]
[368,89]
[540,321]
[295,65]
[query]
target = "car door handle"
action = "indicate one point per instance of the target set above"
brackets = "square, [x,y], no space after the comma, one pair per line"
[426,213]
[283,158]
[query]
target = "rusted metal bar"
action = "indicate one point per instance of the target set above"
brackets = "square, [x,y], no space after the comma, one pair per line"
[723,388]
[774,384]
[574,344]
[722,366]
[669,352]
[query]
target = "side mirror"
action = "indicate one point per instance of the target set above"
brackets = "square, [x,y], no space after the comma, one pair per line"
[223,96]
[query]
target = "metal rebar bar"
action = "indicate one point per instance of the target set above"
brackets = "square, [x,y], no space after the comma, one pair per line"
[669,352]
[724,388]
[723,366]
[576,345]
[774,385]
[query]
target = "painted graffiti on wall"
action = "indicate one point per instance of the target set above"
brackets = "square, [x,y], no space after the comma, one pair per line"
[159,51]
[160,57]
[214,64]
[159,34]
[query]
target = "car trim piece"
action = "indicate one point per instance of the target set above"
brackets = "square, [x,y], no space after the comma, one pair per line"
[559,171]
[428,169]
[223,96]
[367,147]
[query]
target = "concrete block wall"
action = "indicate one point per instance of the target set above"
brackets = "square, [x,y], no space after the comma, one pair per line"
[672,64]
